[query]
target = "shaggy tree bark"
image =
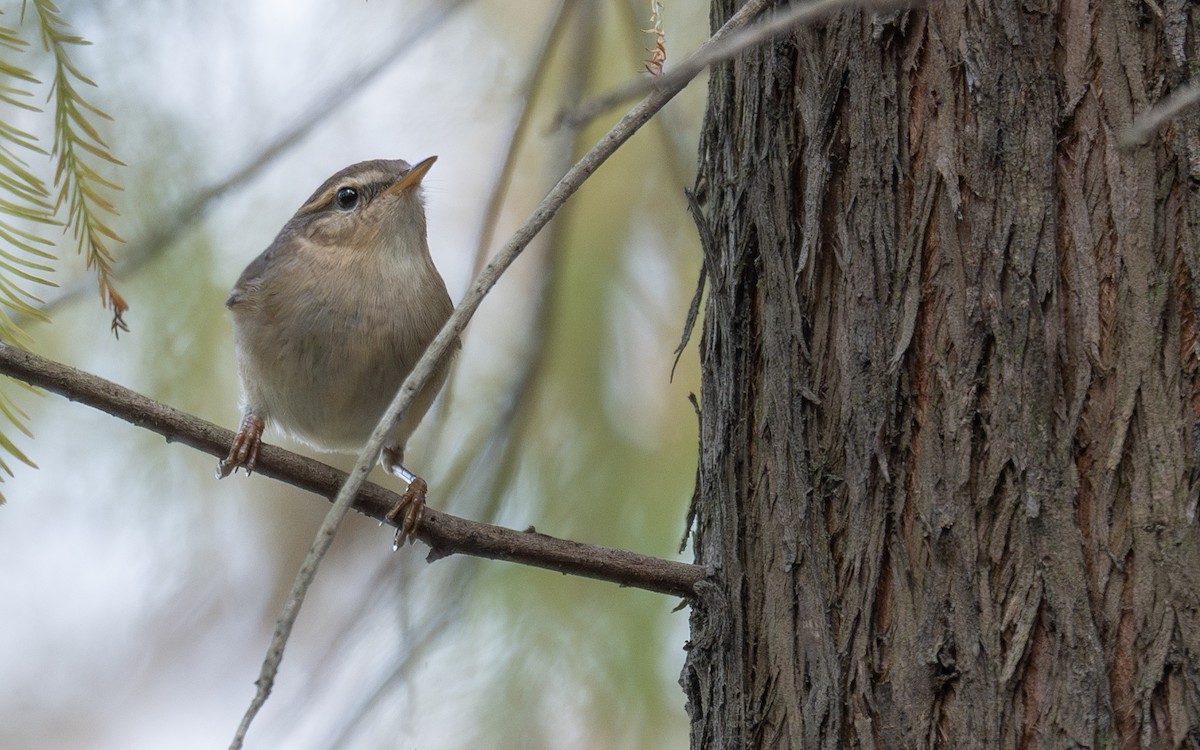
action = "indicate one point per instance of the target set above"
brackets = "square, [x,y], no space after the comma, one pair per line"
[949,426]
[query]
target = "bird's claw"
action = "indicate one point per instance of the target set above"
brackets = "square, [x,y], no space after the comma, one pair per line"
[244,451]
[410,510]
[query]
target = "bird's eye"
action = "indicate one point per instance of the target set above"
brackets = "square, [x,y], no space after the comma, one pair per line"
[345,198]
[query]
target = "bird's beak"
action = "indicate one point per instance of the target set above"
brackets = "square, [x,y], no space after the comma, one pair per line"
[412,178]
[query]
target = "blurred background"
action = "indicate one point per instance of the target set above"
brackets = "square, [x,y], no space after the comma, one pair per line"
[138,593]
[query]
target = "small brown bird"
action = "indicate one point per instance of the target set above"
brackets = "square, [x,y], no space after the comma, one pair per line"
[332,317]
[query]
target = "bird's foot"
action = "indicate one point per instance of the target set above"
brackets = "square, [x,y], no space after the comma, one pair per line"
[244,451]
[411,507]
[410,510]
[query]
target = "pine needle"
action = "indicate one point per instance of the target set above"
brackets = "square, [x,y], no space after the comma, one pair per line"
[24,201]
[26,204]
[80,188]
[658,53]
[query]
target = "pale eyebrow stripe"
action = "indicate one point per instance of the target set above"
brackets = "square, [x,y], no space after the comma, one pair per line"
[319,202]
[370,185]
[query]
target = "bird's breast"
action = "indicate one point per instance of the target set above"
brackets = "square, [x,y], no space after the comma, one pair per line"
[328,346]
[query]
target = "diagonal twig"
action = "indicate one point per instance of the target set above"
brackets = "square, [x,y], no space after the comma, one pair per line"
[516,414]
[440,347]
[729,46]
[537,73]
[530,89]
[1166,109]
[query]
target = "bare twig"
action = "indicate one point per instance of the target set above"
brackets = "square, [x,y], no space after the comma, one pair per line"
[1152,119]
[719,48]
[442,343]
[679,160]
[549,206]
[446,534]
[539,66]
[513,418]
[707,244]
[380,695]
[538,69]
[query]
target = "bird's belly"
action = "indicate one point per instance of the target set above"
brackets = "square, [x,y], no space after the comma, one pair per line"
[329,388]
[336,406]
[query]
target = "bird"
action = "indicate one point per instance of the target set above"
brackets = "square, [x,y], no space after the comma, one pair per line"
[331,318]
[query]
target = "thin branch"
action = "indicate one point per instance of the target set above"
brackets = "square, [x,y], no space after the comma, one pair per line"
[514,416]
[1155,117]
[380,696]
[537,73]
[539,67]
[444,533]
[679,159]
[440,347]
[729,46]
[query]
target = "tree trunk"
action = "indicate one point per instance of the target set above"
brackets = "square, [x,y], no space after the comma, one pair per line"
[949,428]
